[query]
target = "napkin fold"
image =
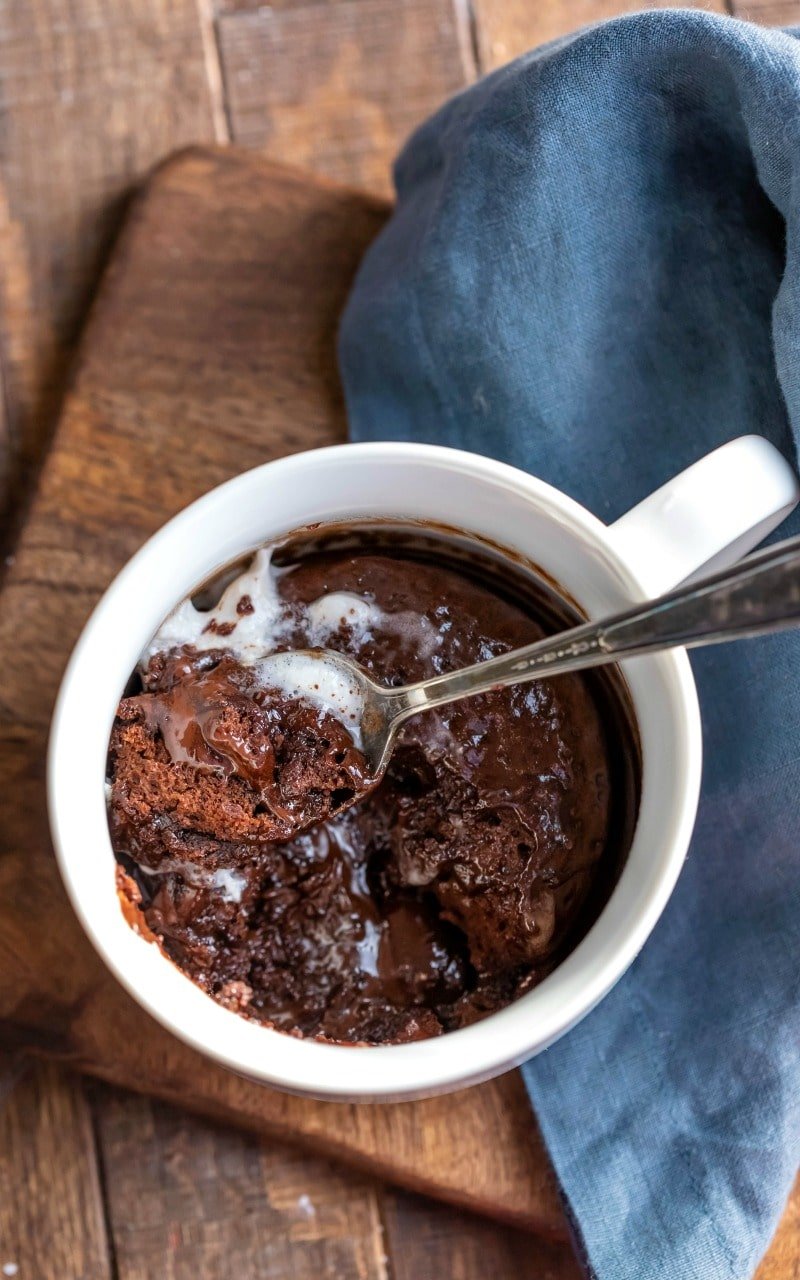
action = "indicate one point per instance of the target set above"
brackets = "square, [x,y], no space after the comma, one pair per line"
[593,273]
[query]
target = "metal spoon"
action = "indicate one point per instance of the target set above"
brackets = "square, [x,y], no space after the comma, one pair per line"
[761,593]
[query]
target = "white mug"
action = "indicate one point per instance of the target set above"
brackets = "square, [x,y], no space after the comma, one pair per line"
[712,513]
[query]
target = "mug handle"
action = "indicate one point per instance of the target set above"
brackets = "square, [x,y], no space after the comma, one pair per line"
[708,516]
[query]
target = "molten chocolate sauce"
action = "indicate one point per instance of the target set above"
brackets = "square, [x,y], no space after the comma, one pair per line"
[457,883]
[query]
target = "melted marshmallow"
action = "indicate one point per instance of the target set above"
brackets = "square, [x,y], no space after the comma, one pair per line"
[415,629]
[326,615]
[248,635]
[231,884]
[363,618]
[317,680]
[228,883]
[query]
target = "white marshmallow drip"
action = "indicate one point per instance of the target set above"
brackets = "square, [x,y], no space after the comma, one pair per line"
[416,630]
[368,947]
[318,681]
[253,634]
[364,617]
[325,615]
[231,884]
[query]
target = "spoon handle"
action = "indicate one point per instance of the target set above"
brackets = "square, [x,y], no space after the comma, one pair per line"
[758,594]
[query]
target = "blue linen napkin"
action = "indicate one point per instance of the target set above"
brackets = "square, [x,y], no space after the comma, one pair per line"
[592,273]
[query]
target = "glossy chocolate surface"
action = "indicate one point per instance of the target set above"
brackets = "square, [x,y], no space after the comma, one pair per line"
[452,887]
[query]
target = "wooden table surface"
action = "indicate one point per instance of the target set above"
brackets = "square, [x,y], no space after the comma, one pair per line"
[96,1184]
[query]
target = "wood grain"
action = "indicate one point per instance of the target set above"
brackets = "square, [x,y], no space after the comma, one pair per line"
[782,1259]
[51,1213]
[92,95]
[433,1242]
[337,87]
[210,349]
[507,28]
[190,1199]
[772,13]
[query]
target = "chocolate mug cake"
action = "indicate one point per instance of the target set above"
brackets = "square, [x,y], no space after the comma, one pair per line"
[295,888]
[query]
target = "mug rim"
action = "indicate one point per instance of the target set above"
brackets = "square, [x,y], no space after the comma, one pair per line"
[496,1043]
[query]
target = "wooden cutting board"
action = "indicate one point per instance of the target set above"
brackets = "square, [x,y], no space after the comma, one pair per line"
[210,349]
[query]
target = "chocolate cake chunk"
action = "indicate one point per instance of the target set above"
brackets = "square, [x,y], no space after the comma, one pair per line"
[210,752]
